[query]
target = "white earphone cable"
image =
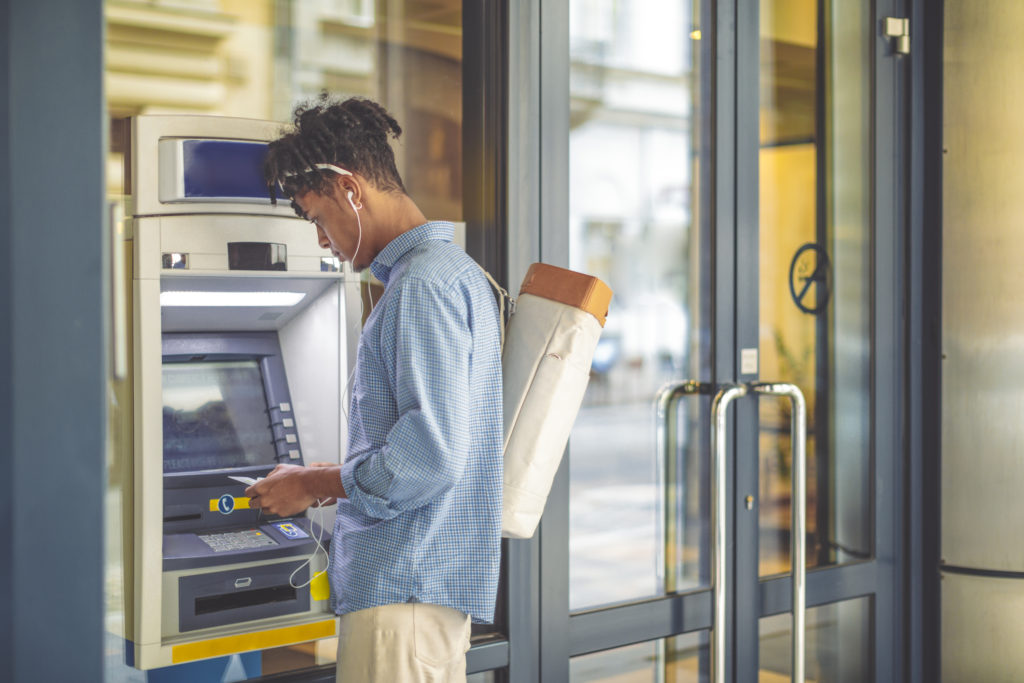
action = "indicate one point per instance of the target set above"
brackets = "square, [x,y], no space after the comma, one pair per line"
[318,539]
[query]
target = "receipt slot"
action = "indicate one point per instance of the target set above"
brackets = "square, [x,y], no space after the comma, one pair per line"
[242,337]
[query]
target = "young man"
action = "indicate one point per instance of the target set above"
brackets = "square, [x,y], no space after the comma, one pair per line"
[416,544]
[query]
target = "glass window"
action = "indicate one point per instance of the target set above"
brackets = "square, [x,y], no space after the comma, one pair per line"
[258,58]
[838,644]
[680,659]
[815,256]
[633,222]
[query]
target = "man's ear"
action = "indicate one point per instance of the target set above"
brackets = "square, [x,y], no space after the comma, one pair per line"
[352,190]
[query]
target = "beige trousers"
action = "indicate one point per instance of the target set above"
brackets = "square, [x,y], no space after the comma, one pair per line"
[406,643]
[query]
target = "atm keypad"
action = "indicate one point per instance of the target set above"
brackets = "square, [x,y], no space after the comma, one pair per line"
[237,540]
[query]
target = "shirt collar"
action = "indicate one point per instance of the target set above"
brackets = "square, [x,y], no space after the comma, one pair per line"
[406,242]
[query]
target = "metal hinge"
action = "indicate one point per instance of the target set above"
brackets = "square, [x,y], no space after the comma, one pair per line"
[899,29]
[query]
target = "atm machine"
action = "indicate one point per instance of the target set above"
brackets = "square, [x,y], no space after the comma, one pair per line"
[243,331]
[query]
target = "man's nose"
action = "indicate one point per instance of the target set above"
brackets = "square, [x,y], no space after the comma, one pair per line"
[321,238]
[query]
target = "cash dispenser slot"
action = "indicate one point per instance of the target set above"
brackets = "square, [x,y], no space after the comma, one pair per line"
[186,514]
[229,597]
[211,604]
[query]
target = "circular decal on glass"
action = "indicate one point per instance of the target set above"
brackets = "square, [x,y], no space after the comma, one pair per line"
[810,278]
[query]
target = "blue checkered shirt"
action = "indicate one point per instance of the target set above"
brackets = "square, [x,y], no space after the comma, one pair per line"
[423,472]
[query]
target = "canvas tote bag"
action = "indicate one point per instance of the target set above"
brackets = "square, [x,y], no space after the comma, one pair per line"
[549,345]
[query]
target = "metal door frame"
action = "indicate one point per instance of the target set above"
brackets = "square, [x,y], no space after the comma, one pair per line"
[544,635]
[555,634]
[879,577]
[732,57]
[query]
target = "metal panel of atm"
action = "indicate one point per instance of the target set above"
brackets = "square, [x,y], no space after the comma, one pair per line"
[240,352]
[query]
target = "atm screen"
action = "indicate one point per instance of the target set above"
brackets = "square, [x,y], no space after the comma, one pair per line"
[215,416]
[224,169]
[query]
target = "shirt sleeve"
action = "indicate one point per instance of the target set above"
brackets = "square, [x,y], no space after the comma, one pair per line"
[425,452]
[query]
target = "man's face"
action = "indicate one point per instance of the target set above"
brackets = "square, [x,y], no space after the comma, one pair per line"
[337,226]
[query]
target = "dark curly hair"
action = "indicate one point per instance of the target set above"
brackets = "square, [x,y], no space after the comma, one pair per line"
[352,134]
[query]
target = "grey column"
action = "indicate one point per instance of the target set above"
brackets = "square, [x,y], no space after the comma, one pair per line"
[982,560]
[6,667]
[52,340]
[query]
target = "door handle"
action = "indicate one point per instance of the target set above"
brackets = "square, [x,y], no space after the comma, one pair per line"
[668,477]
[798,542]
[719,451]
[666,401]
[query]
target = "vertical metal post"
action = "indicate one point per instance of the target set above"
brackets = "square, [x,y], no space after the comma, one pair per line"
[521,248]
[7,620]
[798,541]
[719,453]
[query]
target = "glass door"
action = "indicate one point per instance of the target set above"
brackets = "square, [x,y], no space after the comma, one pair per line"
[826,225]
[814,310]
[639,217]
[733,176]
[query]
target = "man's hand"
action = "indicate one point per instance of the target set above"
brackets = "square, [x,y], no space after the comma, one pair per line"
[290,489]
[285,491]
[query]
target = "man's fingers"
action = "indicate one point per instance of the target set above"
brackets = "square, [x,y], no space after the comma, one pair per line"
[254,490]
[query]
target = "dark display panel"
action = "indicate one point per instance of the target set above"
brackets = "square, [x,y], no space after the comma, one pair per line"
[215,416]
[224,169]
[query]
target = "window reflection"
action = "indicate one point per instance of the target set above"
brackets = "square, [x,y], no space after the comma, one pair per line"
[680,659]
[632,222]
[814,273]
[257,58]
[838,644]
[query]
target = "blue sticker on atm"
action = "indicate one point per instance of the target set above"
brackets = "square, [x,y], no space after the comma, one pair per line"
[226,504]
[291,530]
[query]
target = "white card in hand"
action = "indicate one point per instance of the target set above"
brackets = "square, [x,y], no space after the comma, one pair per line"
[248,481]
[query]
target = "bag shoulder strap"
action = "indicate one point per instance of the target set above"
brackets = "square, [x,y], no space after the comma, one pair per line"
[508,304]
